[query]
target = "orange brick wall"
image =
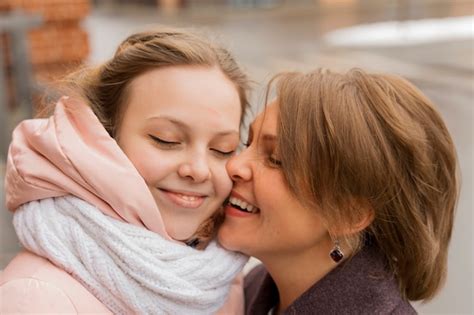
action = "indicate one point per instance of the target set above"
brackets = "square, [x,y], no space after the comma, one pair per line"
[52,10]
[59,43]
[51,44]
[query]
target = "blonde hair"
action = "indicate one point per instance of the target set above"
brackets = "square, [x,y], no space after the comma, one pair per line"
[376,139]
[106,87]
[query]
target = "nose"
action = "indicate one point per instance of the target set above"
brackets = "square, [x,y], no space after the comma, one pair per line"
[195,167]
[238,167]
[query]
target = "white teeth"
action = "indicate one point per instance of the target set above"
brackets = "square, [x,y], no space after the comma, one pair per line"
[188,198]
[242,204]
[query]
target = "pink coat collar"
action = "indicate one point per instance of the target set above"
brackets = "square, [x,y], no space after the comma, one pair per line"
[72,153]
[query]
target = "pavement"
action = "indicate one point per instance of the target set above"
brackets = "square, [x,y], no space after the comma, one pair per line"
[292,37]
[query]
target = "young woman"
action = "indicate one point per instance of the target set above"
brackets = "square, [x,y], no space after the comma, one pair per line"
[346,193]
[112,192]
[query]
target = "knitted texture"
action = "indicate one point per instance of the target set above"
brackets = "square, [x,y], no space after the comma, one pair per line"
[128,268]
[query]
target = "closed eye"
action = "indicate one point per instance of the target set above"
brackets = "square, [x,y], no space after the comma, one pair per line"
[274,162]
[164,142]
[223,153]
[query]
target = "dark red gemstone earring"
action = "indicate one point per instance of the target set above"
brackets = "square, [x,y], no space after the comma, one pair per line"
[336,253]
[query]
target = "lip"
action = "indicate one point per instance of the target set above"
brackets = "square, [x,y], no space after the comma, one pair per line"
[238,196]
[184,192]
[183,199]
[233,212]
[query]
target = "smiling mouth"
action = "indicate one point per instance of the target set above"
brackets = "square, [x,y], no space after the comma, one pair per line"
[184,200]
[242,205]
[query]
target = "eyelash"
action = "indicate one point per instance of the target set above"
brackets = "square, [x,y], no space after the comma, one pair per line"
[274,162]
[271,160]
[172,144]
[223,154]
[167,144]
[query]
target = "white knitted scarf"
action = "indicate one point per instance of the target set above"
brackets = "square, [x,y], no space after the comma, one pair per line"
[128,268]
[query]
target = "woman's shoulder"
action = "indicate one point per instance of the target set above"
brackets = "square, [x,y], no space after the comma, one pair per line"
[360,285]
[31,283]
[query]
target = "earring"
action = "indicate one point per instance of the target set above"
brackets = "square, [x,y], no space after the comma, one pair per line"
[336,254]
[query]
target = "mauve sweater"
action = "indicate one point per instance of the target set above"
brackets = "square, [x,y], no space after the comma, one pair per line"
[361,285]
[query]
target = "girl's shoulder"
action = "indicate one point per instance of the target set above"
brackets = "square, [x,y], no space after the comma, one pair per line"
[31,283]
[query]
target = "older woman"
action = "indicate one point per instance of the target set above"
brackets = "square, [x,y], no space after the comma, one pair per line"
[346,193]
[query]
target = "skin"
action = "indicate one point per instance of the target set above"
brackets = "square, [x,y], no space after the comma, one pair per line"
[289,238]
[179,128]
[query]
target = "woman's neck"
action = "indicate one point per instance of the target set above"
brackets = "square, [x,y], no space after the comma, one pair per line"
[294,273]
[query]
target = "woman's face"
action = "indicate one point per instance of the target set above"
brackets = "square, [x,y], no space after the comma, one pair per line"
[274,222]
[179,128]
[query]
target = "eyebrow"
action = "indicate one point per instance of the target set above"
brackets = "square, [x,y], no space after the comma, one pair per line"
[266,137]
[185,126]
[269,137]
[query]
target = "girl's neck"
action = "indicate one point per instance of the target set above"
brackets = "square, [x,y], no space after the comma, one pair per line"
[294,273]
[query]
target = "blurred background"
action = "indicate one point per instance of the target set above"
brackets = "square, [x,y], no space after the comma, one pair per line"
[430,42]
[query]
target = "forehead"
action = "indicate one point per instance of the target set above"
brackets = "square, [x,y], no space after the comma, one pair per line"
[268,119]
[188,92]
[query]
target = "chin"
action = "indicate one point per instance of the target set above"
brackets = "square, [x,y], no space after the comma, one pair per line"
[180,233]
[227,239]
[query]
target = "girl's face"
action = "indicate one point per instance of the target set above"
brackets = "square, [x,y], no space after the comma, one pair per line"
[179,128]
[275,222]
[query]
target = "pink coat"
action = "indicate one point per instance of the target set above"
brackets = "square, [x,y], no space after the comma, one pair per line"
[32,284]
[50,158]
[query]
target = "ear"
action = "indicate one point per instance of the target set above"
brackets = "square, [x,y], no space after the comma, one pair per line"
[363,216]
[366,219]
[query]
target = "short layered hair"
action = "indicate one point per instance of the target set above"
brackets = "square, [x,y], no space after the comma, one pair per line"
[348,141]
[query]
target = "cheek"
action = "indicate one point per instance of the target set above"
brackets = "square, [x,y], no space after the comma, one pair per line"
[221,180]
[150,171]
[270,188]
[293,225]
[149,162]
[283,216]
